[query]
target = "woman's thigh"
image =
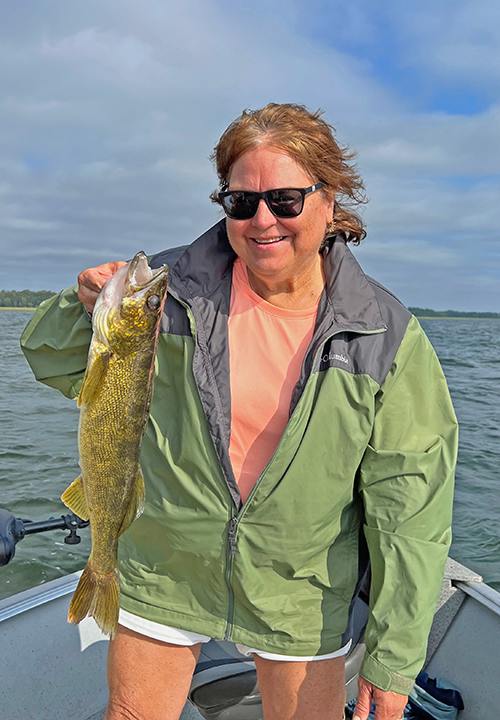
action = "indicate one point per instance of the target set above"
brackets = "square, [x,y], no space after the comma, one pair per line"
[302,690]
[148,679]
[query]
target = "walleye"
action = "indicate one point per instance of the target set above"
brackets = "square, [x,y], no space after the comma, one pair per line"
[114,407]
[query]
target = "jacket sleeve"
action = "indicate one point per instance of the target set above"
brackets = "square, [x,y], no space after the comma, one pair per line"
[406,482]
[56,342]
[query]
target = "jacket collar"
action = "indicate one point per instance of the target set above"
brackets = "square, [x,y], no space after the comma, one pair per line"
[350,292]
[207,263]
[204,265]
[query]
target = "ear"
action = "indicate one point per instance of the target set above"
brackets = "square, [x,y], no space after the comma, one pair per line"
[329,203]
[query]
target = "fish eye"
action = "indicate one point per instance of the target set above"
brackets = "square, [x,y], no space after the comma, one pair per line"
[153,302]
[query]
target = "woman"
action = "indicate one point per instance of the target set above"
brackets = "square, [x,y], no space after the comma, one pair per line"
[299,415]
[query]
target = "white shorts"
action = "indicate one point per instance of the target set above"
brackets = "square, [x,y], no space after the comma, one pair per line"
[168,634]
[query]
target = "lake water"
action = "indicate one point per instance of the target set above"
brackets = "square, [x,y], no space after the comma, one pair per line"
[38,451]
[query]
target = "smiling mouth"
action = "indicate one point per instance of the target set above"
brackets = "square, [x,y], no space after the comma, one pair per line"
[270,241]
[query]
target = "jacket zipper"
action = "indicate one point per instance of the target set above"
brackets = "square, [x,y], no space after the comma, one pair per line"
[233,526]
[230,553]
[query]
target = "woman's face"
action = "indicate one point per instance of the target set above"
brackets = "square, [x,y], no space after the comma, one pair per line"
[277,249]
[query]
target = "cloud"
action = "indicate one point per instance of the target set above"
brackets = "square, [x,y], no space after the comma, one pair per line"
[413,253]
[109,112]
[461,40]
[124,55]
[24,224]
[433,144]
[481,281]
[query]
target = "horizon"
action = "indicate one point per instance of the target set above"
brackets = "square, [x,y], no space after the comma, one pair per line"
[412,308]
[110,113]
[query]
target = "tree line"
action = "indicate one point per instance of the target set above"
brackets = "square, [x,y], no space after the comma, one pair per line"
[23,298]
[427,312]
[33,298]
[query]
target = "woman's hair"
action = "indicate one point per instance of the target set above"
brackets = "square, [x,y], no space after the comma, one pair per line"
[309,140]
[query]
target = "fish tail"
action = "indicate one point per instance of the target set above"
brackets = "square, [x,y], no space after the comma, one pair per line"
[97,595]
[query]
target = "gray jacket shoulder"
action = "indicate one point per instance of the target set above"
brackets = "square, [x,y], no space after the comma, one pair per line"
[396,318]
[167,257]
[391,308]
[371,353]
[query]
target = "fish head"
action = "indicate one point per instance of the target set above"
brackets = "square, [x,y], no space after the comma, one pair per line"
[127,312]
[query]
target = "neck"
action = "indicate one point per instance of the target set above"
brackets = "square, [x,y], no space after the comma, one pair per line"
[295,293]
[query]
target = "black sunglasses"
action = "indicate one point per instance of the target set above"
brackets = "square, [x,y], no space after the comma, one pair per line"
[283,203]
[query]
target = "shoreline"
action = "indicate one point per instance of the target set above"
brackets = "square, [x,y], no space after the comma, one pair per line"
[19,309]
[419,317]
[452,317]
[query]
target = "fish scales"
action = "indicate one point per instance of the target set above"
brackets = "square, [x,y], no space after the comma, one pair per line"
[112,421]
[114,408]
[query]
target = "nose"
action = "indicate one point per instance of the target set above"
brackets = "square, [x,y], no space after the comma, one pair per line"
[263,218]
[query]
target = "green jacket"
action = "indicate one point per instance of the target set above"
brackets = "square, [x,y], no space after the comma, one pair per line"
[367,459]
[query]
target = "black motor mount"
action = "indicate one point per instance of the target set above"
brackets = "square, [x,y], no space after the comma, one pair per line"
[13,529]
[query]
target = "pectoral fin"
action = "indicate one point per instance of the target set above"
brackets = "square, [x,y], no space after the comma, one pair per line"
[74,498]
[94,378]
[136,506]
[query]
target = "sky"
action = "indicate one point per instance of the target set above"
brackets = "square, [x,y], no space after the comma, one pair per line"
[109,111]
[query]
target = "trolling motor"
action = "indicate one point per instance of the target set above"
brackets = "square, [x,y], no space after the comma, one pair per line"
[13,529]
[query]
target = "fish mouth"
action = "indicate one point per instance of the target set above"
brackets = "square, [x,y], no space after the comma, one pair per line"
[133,285]
[139,275]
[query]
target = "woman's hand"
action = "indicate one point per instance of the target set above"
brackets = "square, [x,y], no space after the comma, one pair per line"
[389,705]
[91,282]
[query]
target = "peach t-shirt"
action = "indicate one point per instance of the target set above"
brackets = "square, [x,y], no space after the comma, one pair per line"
[267,345]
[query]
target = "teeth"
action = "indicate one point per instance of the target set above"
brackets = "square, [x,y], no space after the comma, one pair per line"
[268,242]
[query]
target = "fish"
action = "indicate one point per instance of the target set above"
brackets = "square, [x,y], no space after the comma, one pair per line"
[114,406]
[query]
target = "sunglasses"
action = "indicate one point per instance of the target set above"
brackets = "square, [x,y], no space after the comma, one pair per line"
[283,203]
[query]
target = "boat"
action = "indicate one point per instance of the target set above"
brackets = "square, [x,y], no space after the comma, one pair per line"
[52,670]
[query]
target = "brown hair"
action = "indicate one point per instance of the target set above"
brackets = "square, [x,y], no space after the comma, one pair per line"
[309,140]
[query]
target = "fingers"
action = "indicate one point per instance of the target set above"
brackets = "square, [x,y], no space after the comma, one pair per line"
[364,700]
[91,282]
[388,705]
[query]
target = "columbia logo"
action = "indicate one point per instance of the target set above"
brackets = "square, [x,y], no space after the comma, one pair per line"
[335,356]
